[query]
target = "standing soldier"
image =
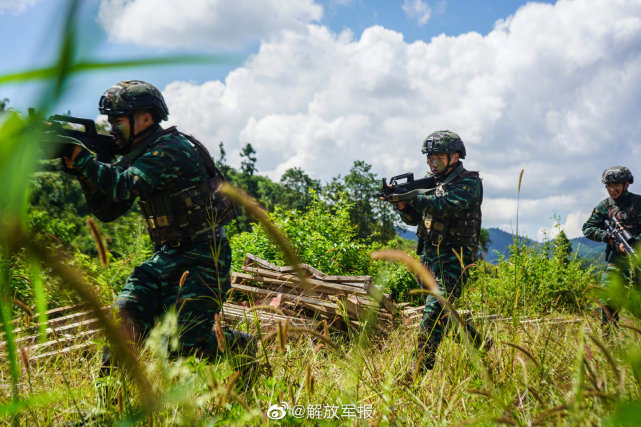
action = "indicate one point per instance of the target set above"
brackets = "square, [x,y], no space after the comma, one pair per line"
[175,181]
[449,225]
[624,207]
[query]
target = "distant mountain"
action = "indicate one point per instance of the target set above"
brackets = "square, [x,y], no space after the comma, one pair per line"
[588,249]
[501,241]
[406,234]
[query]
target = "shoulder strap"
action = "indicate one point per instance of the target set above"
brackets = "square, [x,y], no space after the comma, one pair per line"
[204,153]
[226,208]
[452,176]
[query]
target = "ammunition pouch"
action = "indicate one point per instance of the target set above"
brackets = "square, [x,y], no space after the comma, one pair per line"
[459,229]
[188,215]
[453,231]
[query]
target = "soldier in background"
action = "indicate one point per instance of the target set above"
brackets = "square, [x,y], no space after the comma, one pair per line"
[449,223]
[174,179]
[626,208]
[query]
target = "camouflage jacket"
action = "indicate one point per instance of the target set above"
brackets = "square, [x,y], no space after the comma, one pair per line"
[451,216]
[626,208]
[164,162]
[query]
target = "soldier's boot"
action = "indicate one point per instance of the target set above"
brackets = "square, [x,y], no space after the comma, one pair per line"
[609,321]
[241,342]
[107,387]
[424,357]
[242,347]
[477,340]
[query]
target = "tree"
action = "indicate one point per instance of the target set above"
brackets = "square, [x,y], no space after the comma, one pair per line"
[484,241]
[4,103]
[375,219]
[562,247]
[248,170]
[298,189]
[248,162]
[221,163]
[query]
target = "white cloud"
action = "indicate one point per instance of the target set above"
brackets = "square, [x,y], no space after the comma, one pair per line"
[203,23]
[417,9]
[572,226]
[563,104]
[16,6]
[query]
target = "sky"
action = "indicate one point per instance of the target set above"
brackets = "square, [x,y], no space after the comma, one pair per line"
[553,88]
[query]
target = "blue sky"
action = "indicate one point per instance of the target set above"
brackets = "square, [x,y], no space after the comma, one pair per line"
[30,34]
[550,87]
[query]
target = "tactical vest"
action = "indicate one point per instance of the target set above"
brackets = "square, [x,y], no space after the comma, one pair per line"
[192,213]
[462,228]
[626,215]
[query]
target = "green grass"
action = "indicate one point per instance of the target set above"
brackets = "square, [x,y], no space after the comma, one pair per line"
[560,376]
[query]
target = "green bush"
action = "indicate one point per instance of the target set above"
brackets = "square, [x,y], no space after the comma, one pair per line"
[326,239]
[532,280]
[323,236]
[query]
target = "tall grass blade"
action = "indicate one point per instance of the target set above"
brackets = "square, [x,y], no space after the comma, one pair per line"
[421,271]
[251,206]
[431,288]
[67,51]
[517,254]
[296,330]
[7,324]
[609,358]
[99,240]
[116,337]
[51,72]
[40,299]
[526,352]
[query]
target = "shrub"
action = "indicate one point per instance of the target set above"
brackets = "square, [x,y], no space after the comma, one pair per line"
[532,280]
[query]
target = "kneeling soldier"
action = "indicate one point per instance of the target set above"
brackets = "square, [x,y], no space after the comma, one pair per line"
[175,181]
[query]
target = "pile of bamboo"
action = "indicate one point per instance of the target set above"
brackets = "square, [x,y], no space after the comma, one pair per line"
[342,301]
[69,330]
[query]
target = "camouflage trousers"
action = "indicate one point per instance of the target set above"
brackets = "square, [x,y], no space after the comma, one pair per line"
[622,270]
[155,287]
[451,277]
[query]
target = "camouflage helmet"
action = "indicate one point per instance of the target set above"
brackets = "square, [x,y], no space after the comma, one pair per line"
[443,141]
[126,97]
[617,174]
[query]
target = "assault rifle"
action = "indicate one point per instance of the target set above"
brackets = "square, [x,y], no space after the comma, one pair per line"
[620,235]
[398,191]
[84,133]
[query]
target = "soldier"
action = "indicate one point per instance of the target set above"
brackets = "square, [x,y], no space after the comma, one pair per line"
[626,208]
[449,223]
[175,180]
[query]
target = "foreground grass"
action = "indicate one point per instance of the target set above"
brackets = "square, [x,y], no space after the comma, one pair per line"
[552,373]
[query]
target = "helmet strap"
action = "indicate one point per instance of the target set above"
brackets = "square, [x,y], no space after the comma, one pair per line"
[146,131]
[130,141]
[133,136]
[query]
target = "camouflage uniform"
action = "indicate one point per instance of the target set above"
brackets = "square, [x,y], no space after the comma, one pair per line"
[165,163]
[627,209]
[449,221]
